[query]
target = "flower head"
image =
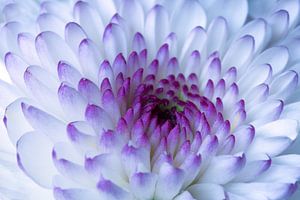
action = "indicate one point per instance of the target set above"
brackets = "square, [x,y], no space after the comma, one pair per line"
[136,99]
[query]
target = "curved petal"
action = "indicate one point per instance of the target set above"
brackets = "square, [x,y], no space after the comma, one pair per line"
[36,166]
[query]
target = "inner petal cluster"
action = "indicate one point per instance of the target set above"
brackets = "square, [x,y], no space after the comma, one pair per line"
[159,121]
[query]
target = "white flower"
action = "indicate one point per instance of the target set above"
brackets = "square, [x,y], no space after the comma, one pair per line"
[145,99]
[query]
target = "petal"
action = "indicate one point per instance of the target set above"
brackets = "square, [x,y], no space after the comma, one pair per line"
[269,190]
[282,127]
[46,47]
[26,44]
[291,111]
[43,86]
[15,67]
[239,52]
[292,7]
[105,8]
[36,166]
[216,35]
[207,191]
[243,137]
[133,12]
[275,137]
[169,182]
[69,74]
[74,34]
[185,196]
[89,19]
[279,22]
[253,169]
[44,123]
[72,171]
[75,194]
[187,16]
[143,185]
[86,144]
[277,57]
[114,41]
[258,29]
[107,165]
[157,26]
[14,112]
[235,12]
[255,76]
[110,191]
[72,102]
[223,169]
[50,22]
[90,91]
[89,58]
[283,85]
[98,118]
[138,43]
[268,111]
[196,40]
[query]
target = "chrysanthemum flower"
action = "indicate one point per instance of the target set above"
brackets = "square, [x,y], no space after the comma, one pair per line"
[146,99]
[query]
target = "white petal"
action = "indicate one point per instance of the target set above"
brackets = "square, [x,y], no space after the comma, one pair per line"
[239,52]
[187,16]
[89,19]
[217,33]
[223,169]
[72,171]
[258,29]
[69,74]
[45,123]
[268,111]
[49,22]
[255,76]
[185,196]
[72,102]
[114,41]
[26,42]
[90,58]
[196,40]
[207,191]
[269,190]
[90,91]
[235,12]
[36,164]
[98,118]
[14,113]
[143,185]
[46,45]
[107,165]
[292,7]
[277,57]
[282,127]
[291,111]
[75,194]
[43,86]
[15,67]
[170,180]
[157,27]
[133,12]
[253,169]
[274,137]
[9,32]
[284,85]
[279,22]
[110,191]
[74,34]
[105,8]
